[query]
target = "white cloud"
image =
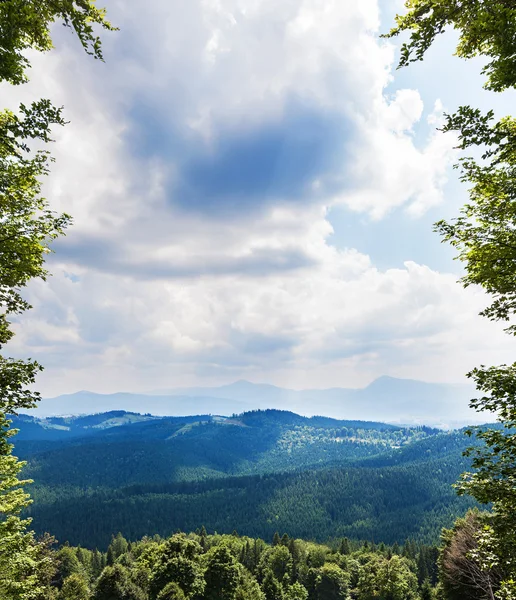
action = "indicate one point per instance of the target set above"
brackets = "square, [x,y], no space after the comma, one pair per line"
[149,291]
[389,170]
[110,332]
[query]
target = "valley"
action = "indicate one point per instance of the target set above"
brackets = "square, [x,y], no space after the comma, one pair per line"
[257,472]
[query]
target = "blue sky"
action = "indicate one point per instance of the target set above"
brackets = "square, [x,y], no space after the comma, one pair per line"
[253,186]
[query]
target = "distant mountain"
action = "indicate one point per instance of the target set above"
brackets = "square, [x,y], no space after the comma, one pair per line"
[385,399]
[242,390]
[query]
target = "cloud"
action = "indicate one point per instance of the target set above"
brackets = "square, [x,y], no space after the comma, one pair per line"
[113,256]
[200,166]
[389,170]
[286,161]
[132,333]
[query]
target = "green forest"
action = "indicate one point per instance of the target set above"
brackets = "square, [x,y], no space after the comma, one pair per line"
[229,566]
[315,478]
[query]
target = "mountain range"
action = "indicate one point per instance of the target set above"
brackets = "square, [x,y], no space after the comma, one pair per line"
[388,399]
[257,472]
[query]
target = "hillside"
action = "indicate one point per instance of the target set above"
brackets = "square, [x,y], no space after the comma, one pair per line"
[257,472]
[97,450]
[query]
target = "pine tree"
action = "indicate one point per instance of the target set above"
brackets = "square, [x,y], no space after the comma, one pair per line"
[116,548]
[344,547]
[295,552]
[422,567]
[74,587]
[427,591]
[271,587]
[96,564]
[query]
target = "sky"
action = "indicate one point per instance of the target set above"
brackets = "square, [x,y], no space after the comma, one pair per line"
[253,186]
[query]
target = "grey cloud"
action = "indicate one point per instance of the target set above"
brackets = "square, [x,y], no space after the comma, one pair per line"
[111,256]
[277,161]
[244,168]
[258,344]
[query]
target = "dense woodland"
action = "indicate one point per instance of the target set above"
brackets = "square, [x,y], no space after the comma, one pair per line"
[257,472]
[230,567]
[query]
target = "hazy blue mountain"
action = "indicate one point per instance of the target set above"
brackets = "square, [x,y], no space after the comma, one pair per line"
[239,390]
[385,399]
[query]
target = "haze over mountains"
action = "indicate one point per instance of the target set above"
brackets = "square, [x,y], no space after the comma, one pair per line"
[385,399]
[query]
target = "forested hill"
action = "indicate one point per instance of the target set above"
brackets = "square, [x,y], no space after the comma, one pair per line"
[256,472]
[120,448]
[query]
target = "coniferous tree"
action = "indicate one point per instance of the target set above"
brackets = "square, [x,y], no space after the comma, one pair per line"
[116,548]
[295,553]
[115,583]
[272,587]
[423,573]
[74,587]
[171,592]
[427,592]
[278,561]
[96,564]
[344,547]
[248,588]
